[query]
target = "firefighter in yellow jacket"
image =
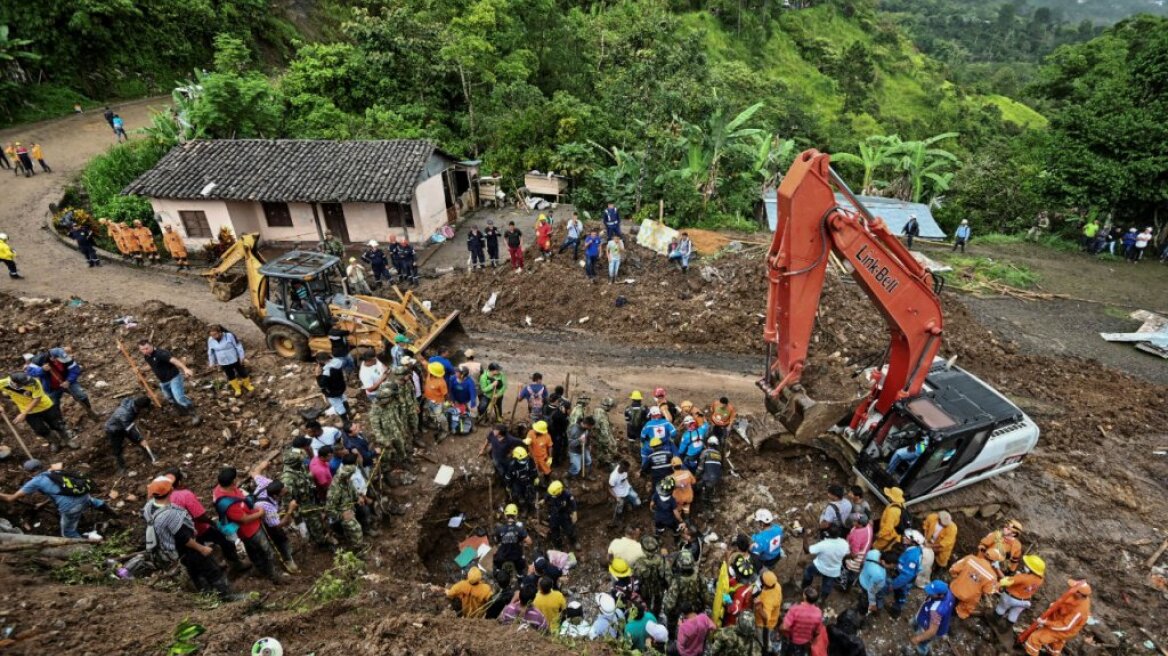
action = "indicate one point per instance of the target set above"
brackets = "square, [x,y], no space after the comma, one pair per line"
[117,232]
[8,257]
[890,519]
[146,247]
[36,408]
[176,247]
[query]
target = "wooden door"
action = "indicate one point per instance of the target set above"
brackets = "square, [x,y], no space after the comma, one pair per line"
[334,221]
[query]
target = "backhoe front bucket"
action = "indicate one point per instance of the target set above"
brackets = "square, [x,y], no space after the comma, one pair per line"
[805,417]
[449,327]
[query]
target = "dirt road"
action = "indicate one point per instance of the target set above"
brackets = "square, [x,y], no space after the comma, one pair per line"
[52,269]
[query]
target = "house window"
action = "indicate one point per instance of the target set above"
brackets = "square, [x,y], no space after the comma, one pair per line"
[277,215]
[195,223]
[399,215]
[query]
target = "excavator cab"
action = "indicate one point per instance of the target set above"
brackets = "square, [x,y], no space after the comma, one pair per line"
[300,287]
[956,432]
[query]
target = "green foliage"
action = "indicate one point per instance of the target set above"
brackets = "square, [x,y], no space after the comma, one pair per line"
[341,581]
[973,273]
[231,54]
[238,106]
[184,639]
[88,566]
[107,174]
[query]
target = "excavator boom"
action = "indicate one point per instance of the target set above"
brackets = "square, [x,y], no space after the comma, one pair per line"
[810,224]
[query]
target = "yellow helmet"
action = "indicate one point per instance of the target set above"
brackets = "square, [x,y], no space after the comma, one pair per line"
[556,488]
[540,427]
[436,369]
[636,395]
[686,406]
[511,510]
[519,453]
[619,568]
[1035,563]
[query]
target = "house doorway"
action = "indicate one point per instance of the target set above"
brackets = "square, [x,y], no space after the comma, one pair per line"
[334,221]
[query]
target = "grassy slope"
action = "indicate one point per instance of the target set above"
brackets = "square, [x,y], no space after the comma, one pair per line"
[909,86]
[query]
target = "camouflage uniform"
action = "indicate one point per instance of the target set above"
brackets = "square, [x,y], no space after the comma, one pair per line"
[387,424]
[580,410]
[737,640]
[342,499]
[407,406]
[301,488]
[606,447]
[652,574]
[687,587]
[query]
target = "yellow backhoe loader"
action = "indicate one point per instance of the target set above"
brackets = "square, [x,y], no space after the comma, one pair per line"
[299,296]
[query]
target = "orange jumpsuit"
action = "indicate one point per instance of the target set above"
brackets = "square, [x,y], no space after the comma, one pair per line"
[541,451]
[434,389]
[941,539]
[890,519]
[1024,586]
[683,491]
[174,245]
[117,232]
[1010,548]
[973,576]
[144,238]
[1061,622]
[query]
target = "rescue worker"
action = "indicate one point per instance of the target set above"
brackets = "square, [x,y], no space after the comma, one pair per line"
[332,245]
[741,592]
[669,411]
[556,415]
[768,606]
[301,491]
[889,534]
[693,441]
[636,414]
[387,425]
[510,539]
[973,577]
[907,567]
[656,461]
[492,387]
[470,595]
[766,546]
[147,249]
[115,234]
[932,620]
[122,426]
[521,479]
[607,450]
[940,532]
[406,402]
[175,246]
[8,257]
[737,640]
[1008,543]
[341,505]
[86,243]
[666,514]
[35,407]
[1019,589]
[540,445]
[476,243]
[652,574]
[561,507]
[710,470]
[1061,622]
[63,374]
[722,417]
[407,270]
[377,261]
[355,278]
[686,589]
[436,392]
[683,486]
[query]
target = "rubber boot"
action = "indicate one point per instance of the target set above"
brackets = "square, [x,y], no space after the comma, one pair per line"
[89,409]
[235,386]
[223,588]
[246,383]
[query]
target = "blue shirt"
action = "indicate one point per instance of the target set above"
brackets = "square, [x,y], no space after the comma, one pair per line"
[463,391]
[693,441]
[658,428]
[873,576]
[637,630]
[611,218]
[592,245]
[907,566]
[963,232]
[66,505]
[943,607]
[359,444]
[768,544]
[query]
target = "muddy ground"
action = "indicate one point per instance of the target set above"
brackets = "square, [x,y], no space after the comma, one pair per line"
[1088,495]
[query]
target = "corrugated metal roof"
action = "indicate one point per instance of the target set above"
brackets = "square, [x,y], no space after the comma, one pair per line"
[289,170]
[894,212]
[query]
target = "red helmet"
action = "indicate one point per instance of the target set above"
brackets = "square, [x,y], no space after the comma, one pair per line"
[659,392]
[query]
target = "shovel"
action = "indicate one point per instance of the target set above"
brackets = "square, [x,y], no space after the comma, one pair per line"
[16,435]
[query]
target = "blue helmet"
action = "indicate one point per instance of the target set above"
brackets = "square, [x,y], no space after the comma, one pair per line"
[936,588]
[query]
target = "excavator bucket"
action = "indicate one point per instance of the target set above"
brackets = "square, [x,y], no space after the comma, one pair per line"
[446,329]
[805,417]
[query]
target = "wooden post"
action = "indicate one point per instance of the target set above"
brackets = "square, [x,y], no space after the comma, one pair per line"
[138,373]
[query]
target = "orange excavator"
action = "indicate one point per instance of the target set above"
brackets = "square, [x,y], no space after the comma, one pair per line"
[927,426]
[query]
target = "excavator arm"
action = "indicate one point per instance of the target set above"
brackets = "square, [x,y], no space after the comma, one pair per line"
[810,224]
[226,286]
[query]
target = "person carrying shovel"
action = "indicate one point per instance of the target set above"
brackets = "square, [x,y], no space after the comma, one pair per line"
[123,425]
[37,409]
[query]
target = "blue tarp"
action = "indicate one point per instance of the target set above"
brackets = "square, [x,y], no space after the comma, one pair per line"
[894,212]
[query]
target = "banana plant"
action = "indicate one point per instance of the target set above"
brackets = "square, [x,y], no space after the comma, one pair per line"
[772,156]
[704,146]
[924,165]
[876,152]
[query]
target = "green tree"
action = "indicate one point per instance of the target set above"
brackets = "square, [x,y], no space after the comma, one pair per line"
[876,152]
[927,168]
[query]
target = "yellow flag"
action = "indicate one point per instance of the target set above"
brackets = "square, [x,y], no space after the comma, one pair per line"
[720,591]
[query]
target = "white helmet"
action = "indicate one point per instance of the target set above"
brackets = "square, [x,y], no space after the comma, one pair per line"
[915,536]
[3,236]
[713,441]
[655,411]
[764,516]
[373,243]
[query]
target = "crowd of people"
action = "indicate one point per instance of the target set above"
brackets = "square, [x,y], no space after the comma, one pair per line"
[19,158]
[1131,244]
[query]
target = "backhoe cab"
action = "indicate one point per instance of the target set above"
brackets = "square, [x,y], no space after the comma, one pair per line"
[926,426]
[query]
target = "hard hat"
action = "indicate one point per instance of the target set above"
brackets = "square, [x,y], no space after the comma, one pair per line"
[1014,524]
[267,647]
[743,567]
[400,339]
[436,369]
[556,488]
[666,485]
[659,392]
[470,353]
[654,411]
[373,243]
[511,510]
[1080,587]
[994,555]
[636,395]
[519,453]
[650,544]
[1035,563]
[685,559]
[352,260]
[769,579]
[914,536]
[606,603]
[657,632]
[608,402]
[675,461]
[936,588]
[619,568]
[689,420]
[540,427]
[686,406]
[763,515]
[3,236]
[655,442]
[713,441]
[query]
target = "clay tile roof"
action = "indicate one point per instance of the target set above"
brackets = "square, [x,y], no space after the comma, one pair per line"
[289,170]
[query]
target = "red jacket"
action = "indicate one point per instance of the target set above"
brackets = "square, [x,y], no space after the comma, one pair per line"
[801,622]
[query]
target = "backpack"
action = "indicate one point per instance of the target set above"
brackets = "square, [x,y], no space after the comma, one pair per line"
[158,556]
[222,505]
[906,519]
[73,484]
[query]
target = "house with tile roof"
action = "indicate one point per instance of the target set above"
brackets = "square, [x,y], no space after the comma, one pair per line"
[293,191]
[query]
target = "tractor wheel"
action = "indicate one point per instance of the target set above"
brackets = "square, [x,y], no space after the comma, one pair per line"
[287,343]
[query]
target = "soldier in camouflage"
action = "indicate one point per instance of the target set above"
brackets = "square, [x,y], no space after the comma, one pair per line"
[686,586]
[302,489]
[737,640]
[652,574]
[342,504]
[580,410]
[607,450]
[388,425]
[406,405]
